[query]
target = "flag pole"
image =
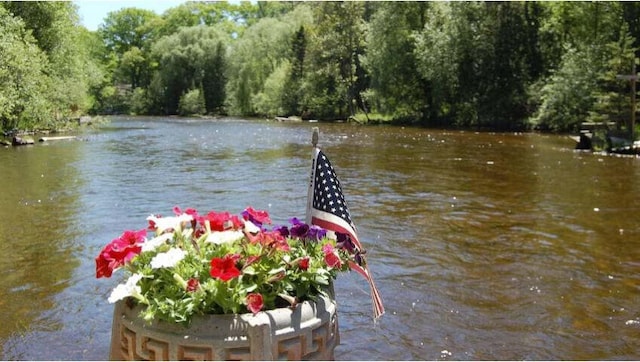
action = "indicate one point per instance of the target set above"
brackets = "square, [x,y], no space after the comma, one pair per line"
[314,143]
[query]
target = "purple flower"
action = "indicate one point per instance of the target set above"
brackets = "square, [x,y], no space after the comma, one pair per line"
[343,241]
[316,233]
[295,221]
[283,230]
[300,230]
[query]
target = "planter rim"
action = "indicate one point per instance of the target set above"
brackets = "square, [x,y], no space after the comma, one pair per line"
[292,317]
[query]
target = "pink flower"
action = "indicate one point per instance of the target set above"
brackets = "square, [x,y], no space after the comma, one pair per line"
[270,239]
[225,268]
[331,256]
[327,248]
[254,302]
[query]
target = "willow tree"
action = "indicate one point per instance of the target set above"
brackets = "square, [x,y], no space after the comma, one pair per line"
[261,55]
[192,58]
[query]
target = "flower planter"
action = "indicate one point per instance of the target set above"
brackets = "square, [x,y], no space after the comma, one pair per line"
[307,332]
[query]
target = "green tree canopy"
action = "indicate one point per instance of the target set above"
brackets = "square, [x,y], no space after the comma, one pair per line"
[22,78]
[192,58]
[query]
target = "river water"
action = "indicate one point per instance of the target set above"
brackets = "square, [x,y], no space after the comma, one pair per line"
[485,246]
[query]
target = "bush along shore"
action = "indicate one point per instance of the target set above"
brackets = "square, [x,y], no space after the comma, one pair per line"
[68,132]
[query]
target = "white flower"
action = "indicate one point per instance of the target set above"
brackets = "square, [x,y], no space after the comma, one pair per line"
[152,244]
[251,227]
[172,222]
[128,289]
[222,237]
[168,259]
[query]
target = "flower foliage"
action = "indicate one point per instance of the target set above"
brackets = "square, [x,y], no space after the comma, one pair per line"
[218,263]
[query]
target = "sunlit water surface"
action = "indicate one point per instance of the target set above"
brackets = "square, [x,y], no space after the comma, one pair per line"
[483,245]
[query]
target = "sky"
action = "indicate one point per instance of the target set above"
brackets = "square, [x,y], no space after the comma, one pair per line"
[93,12]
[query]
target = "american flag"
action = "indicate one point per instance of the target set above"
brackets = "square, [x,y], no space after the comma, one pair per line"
[327,208]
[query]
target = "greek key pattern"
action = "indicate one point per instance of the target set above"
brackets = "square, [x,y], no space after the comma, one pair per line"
[135,347]
[315,344]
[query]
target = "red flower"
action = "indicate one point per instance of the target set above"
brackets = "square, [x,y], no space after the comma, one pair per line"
[118,252]
[303,264]
[221,221]
[225,268]
[152,224]
[331,256]
[254,302]
[258,217]
[193,284]
[189,211]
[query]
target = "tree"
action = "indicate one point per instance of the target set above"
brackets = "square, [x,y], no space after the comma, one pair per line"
[478,59]
[583,85]
[127,34]
[232,18]
[125,28]
[23,83]
[391,62]
[192,102]
[193,58]
[631,16]
[133,64]
[269,101]
[260,51]
[48,21]
[503,76]
[291,97]
[335,81]
[611,96]
[566,96]
[437,61]
[66,72]
[214,77]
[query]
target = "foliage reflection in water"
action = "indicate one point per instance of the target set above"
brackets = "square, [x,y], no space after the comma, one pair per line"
[484,246]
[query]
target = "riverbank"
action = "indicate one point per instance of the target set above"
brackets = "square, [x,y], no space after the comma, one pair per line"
[67,132]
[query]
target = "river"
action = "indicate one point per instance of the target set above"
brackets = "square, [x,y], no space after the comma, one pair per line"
[485,246]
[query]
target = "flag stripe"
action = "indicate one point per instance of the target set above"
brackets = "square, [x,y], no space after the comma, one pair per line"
[329,222]
[378,307]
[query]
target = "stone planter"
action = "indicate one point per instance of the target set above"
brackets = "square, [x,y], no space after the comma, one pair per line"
[307,332]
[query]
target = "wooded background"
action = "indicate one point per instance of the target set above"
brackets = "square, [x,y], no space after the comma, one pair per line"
[490,65]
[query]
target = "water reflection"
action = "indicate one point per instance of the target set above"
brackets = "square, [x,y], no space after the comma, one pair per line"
[39,201]
[484,246]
